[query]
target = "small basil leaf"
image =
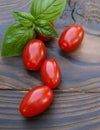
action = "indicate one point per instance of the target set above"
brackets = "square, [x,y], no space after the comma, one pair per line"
[23,18]
[45,29]
[48,10]
[15,38]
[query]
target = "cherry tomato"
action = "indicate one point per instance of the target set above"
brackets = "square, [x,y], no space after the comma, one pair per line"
[36,101]
[44,38]
[71,37]
[34,54]
[50,73]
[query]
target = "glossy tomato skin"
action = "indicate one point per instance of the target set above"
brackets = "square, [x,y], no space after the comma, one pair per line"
[36,101]
[34,54]
[44,38]
[50,73]
[71,37]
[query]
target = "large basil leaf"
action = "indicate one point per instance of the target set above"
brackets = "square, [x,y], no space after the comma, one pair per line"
[23,18]
[45,29]
[48,10]
[16,37]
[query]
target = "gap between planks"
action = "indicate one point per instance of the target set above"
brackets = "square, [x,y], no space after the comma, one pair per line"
[56,90]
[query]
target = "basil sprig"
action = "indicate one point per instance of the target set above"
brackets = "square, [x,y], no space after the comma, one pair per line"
[42,12]
[15,39]
[24,18]
[45,28]
[48,10]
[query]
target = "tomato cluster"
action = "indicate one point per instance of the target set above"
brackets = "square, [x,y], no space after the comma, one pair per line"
[39,98]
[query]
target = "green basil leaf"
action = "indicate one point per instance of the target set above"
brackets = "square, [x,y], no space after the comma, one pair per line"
[48,10]
[23,18]
[15,38]
[45,29]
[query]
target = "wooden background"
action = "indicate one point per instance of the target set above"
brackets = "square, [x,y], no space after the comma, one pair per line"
[76,105]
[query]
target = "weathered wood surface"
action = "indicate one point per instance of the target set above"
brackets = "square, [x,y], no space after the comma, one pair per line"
[69,111]
[77,100]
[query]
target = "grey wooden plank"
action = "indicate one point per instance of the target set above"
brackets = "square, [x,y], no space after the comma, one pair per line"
[69,111]
[80,69]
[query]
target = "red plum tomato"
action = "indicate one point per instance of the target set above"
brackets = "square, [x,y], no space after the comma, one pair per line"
[71,37]
[44,38]
[36,101]
[50,73]
[34,54]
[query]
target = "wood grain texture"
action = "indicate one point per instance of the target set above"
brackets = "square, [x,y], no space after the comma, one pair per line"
[69,111]
[80,69]
[76,104]
[7,6]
